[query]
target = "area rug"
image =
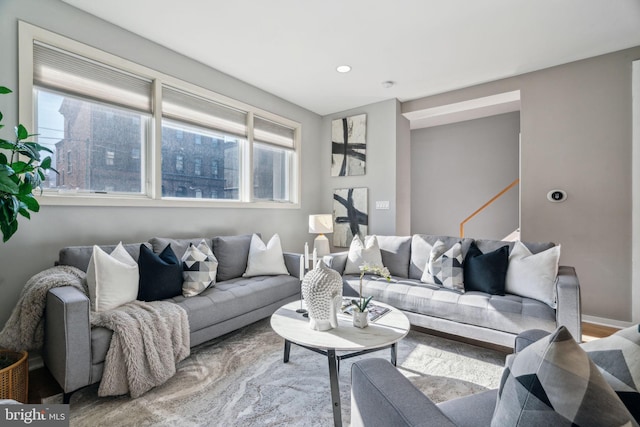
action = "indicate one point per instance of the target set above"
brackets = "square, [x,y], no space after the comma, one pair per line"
[241,380]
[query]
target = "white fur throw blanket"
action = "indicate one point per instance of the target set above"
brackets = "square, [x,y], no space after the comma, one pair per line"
[148,340]
[25,328]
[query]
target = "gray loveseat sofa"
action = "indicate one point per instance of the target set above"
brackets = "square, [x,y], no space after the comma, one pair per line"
[475,315]
[74,351]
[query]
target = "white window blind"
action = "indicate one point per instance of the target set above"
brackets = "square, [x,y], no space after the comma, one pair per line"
[73,74]
[189,108]
[270,132]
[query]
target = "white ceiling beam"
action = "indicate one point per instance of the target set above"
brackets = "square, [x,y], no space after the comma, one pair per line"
[465,110]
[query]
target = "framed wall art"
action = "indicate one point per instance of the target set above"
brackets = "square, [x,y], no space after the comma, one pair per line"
[350,215]
[349,146]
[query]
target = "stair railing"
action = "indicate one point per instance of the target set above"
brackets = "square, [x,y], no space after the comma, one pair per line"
[483,207]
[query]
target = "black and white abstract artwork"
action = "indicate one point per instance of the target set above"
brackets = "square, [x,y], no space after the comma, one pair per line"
[350,215]
[349,146]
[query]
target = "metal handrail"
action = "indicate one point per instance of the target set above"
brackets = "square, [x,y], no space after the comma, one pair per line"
[483,207]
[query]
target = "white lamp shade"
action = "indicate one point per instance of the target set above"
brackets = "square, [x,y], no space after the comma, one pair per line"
[320,224]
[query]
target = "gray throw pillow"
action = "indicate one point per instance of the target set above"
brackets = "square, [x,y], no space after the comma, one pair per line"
[232,253]
[553,382]
[396,254]
[179,246]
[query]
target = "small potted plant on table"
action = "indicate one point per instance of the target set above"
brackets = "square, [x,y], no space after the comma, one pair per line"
[361,312]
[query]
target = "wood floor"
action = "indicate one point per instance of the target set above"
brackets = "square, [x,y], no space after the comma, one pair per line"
[42,384]
[591,331]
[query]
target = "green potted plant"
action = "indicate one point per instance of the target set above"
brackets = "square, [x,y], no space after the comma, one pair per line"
[22,171]
[361,313]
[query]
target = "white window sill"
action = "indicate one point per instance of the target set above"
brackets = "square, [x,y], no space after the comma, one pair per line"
[119,200]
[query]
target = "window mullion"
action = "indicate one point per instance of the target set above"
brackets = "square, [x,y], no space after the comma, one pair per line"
[248,170]
[154,144]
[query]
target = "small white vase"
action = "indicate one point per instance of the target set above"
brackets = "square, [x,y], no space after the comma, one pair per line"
[361,318]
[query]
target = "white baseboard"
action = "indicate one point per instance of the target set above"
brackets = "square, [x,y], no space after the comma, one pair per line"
[606,322]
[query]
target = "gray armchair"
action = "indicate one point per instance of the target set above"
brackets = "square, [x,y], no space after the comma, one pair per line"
[382,396]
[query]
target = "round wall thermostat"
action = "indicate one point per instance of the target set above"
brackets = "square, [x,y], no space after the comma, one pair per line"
[557,196]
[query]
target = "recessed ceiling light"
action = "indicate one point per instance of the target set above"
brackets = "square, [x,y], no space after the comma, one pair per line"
[343,69]
[388,84]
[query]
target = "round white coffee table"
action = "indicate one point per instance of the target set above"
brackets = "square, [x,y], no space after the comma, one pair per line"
[384,332]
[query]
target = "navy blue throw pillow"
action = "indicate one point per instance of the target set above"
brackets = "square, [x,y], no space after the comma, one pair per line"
[486,272]
[160,274]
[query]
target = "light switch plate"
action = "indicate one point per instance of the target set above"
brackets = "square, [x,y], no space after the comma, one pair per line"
[382,204]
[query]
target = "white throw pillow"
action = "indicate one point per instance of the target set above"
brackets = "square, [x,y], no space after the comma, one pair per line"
[199,267]
[360,253]
[533,275]
[265,260]
[112,279]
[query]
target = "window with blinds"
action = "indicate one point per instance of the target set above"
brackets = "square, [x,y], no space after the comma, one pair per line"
[98,113]
[111,122]
[212,134]
[273,151]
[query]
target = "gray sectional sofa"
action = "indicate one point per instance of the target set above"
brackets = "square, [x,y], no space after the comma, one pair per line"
[74,351]
[476,315]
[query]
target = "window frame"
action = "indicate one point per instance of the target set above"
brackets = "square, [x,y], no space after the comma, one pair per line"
[151,154]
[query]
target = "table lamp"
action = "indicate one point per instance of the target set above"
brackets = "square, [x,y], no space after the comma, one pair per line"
[320,224]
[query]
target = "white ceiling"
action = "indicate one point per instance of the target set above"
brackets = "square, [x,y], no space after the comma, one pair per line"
[291,48]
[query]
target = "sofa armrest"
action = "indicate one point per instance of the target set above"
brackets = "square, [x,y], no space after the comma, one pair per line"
[382,396]
[292,262]
[336,261]
[528,337]
[568,310]
[67,337]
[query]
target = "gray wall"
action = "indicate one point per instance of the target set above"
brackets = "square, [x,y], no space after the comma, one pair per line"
[457,168]
[576,135]
[403,174]
[383,125]
[37,242]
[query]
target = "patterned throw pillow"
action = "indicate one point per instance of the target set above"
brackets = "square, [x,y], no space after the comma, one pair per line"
[199,267]
[553,382]
[444,267]
[618,359]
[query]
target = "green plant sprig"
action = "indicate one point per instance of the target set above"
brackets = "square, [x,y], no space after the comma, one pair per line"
[21,172]
[361,303]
